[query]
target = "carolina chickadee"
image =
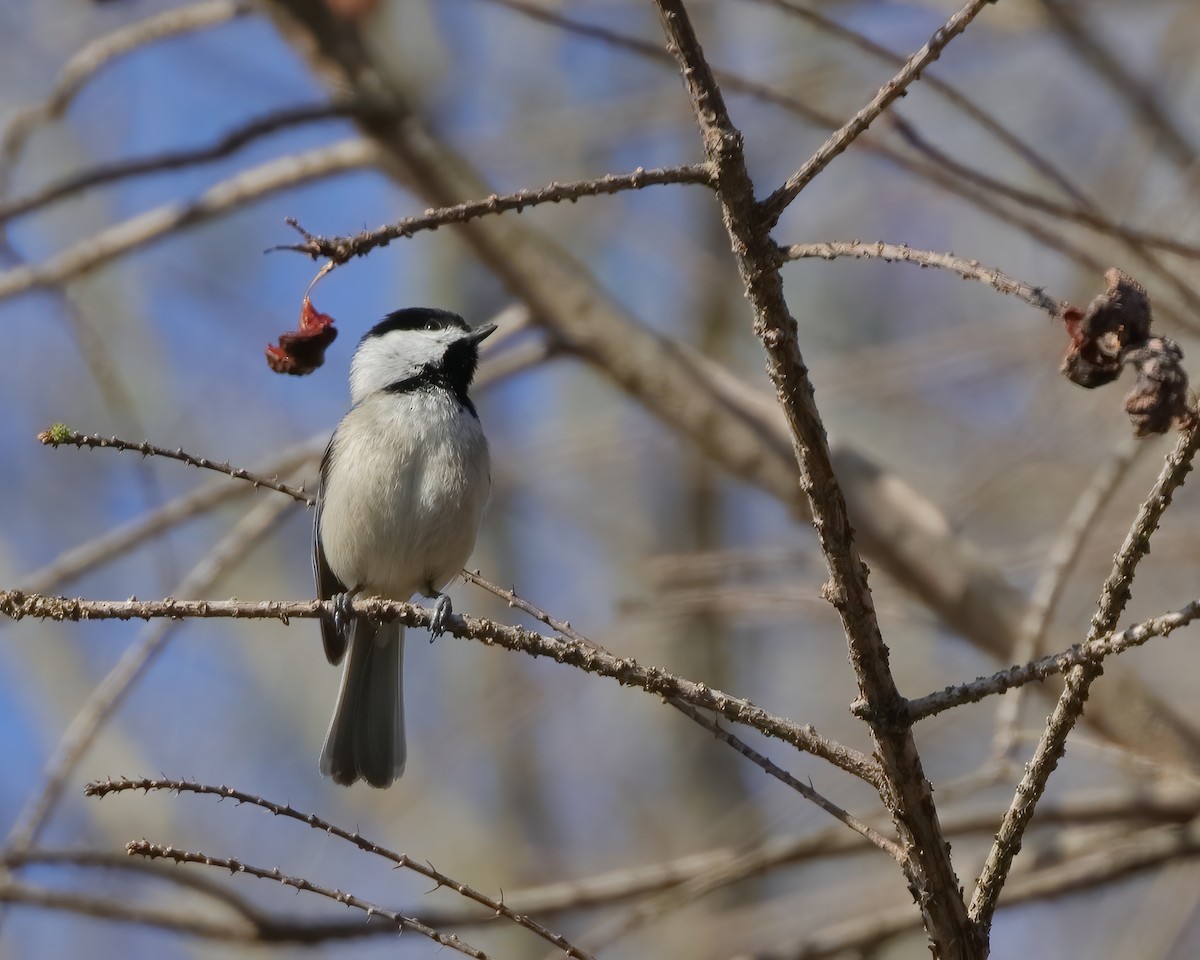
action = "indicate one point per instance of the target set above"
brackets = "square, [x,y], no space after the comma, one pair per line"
[404,484]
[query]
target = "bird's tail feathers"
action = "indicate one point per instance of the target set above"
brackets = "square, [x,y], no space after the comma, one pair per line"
[366,736]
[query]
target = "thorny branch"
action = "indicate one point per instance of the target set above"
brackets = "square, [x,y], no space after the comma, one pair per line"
[103,788]
[860,827]
[1079,679]
[59,435]
[17,605]
[341,249]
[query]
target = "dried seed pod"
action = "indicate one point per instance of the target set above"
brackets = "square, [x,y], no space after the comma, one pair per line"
[1159,397]
[301,351]
[1117,319]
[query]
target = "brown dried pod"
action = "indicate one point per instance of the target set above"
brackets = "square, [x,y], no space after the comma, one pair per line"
[1087,363]
[1117,319]
[1159,397]
[301,351]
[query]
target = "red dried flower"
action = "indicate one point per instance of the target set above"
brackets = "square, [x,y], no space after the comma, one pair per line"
[301,351]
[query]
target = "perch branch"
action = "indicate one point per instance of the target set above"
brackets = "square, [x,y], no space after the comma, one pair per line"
[16,604]
[860,827]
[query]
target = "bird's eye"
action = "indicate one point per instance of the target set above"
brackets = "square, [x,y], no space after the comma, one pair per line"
[431,324]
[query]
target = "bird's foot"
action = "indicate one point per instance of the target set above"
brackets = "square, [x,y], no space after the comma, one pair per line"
[441,610]
[343,611]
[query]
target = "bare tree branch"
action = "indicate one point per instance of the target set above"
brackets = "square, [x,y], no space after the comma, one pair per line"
[230,143]
[59,435]
[226,196]
[102,789]
[111,691]
[1082,654]
[1063,557]
[119,910]
[901,252]
[118,541]
[895,88]
[1079,679]
[969,108]
[100,53]
[17,605]
[341,249]
[1143,104]
[863,829]
[907,793]
[144,848]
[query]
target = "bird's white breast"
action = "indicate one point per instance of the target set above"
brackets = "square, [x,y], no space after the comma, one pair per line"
[405,489]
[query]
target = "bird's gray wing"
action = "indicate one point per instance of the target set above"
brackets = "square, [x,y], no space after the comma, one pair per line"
[327,582]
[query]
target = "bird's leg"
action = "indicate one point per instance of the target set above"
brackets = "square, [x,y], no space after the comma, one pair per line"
[441,610]
[343,610]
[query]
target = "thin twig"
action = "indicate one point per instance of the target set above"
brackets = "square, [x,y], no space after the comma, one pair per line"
[226,196]
[111,691]
[144,848]
[1142,851]
[341,249]
[1090,217]
[1082,654]
[951,176]
[58,436]
[231,142]
[1136,241]
[16,604]
[1047,591]
[1078,680]
[103,51]
[901,252]
[777,202]
[1140,98]
[120,540]
[104,788]
[951,94]
[859,826]
[121,911]
[107,860]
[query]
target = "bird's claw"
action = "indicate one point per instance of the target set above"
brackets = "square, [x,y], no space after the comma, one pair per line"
[441,611]
[343,612]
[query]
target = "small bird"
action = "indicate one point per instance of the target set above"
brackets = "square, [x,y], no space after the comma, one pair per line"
[404,484]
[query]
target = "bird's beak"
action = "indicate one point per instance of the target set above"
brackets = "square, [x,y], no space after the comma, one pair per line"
[481,332]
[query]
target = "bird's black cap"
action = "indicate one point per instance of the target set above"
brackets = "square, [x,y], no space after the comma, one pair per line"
[417,318]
